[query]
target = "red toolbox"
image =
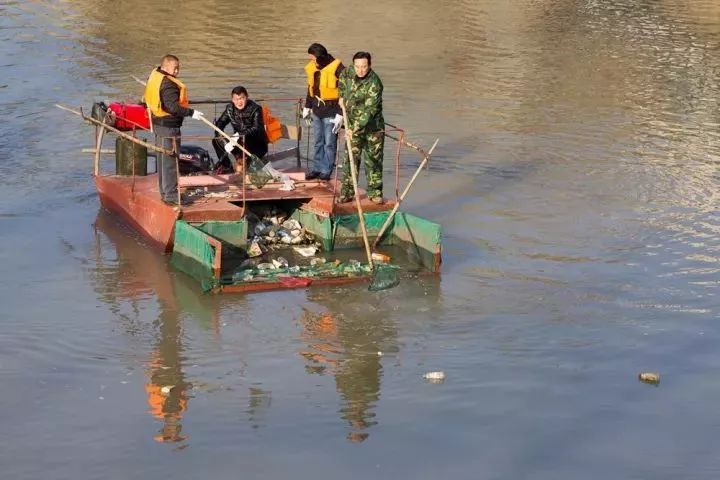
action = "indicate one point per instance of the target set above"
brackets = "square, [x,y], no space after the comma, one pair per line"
[129,116]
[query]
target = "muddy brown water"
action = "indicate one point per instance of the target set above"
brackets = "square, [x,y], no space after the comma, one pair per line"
[576,181]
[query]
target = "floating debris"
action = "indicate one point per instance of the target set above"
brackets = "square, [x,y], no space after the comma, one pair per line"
[649,377]
[166,389]
[434,377]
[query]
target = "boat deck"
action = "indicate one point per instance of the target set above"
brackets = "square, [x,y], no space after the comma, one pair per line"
[214,198]
[320,195]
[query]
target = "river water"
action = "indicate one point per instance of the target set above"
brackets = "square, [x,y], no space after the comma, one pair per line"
[576,181]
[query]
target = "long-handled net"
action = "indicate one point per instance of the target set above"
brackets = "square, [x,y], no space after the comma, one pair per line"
[384,276]
[257,172]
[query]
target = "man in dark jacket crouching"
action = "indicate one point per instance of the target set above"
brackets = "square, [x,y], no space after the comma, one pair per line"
[246,118]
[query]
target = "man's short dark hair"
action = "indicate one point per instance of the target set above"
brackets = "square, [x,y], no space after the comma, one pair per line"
[169,58]
[317,50]
[239,90]
[365,55]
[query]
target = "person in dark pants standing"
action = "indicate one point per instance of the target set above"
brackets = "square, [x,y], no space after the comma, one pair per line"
[167,99]
[361,91]
[323,71]
[246,118]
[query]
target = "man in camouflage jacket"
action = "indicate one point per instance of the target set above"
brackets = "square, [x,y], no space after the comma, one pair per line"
[361,91]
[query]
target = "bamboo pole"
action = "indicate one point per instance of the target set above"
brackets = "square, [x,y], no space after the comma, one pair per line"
[226,136]
[115,130]
[176,157]
[98,150]
[353,173]
[235,143]
[93,150]
[210,101]
[403,141]
[297,125]
[402,197]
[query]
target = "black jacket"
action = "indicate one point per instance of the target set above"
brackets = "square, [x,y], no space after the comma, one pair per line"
[329,108]
[169,98]
[247,122]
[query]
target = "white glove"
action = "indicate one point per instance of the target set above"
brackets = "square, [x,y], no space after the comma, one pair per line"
[197,115]
[305,112]
[229,147]
[337,123]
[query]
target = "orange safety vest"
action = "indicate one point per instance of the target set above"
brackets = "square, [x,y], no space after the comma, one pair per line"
[273,127]
[328,80]
[152,93]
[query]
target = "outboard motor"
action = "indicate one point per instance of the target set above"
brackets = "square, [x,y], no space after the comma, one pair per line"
[194,160]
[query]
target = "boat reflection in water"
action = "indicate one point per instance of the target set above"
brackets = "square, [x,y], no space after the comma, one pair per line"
[140,285]
[349,347]
[342,335]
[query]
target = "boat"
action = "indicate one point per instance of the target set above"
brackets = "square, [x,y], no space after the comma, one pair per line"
[210,237]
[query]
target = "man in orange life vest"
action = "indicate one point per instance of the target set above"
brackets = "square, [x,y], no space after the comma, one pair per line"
[167,99]
[323,71]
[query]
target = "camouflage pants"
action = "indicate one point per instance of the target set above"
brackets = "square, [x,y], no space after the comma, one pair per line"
[372,143]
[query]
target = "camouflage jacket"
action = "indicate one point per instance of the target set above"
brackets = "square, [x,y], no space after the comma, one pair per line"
[363,100]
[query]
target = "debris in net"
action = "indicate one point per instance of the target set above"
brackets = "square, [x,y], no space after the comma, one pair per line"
[319,269]
[280,262]
[166,389]
[434,377]
[649,377]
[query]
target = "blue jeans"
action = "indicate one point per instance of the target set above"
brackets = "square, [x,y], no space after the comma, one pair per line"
[325,145]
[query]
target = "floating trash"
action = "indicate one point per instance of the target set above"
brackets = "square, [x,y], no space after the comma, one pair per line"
[649,377]
[434,377]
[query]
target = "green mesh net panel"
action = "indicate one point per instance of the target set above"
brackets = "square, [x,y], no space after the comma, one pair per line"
[384,276]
